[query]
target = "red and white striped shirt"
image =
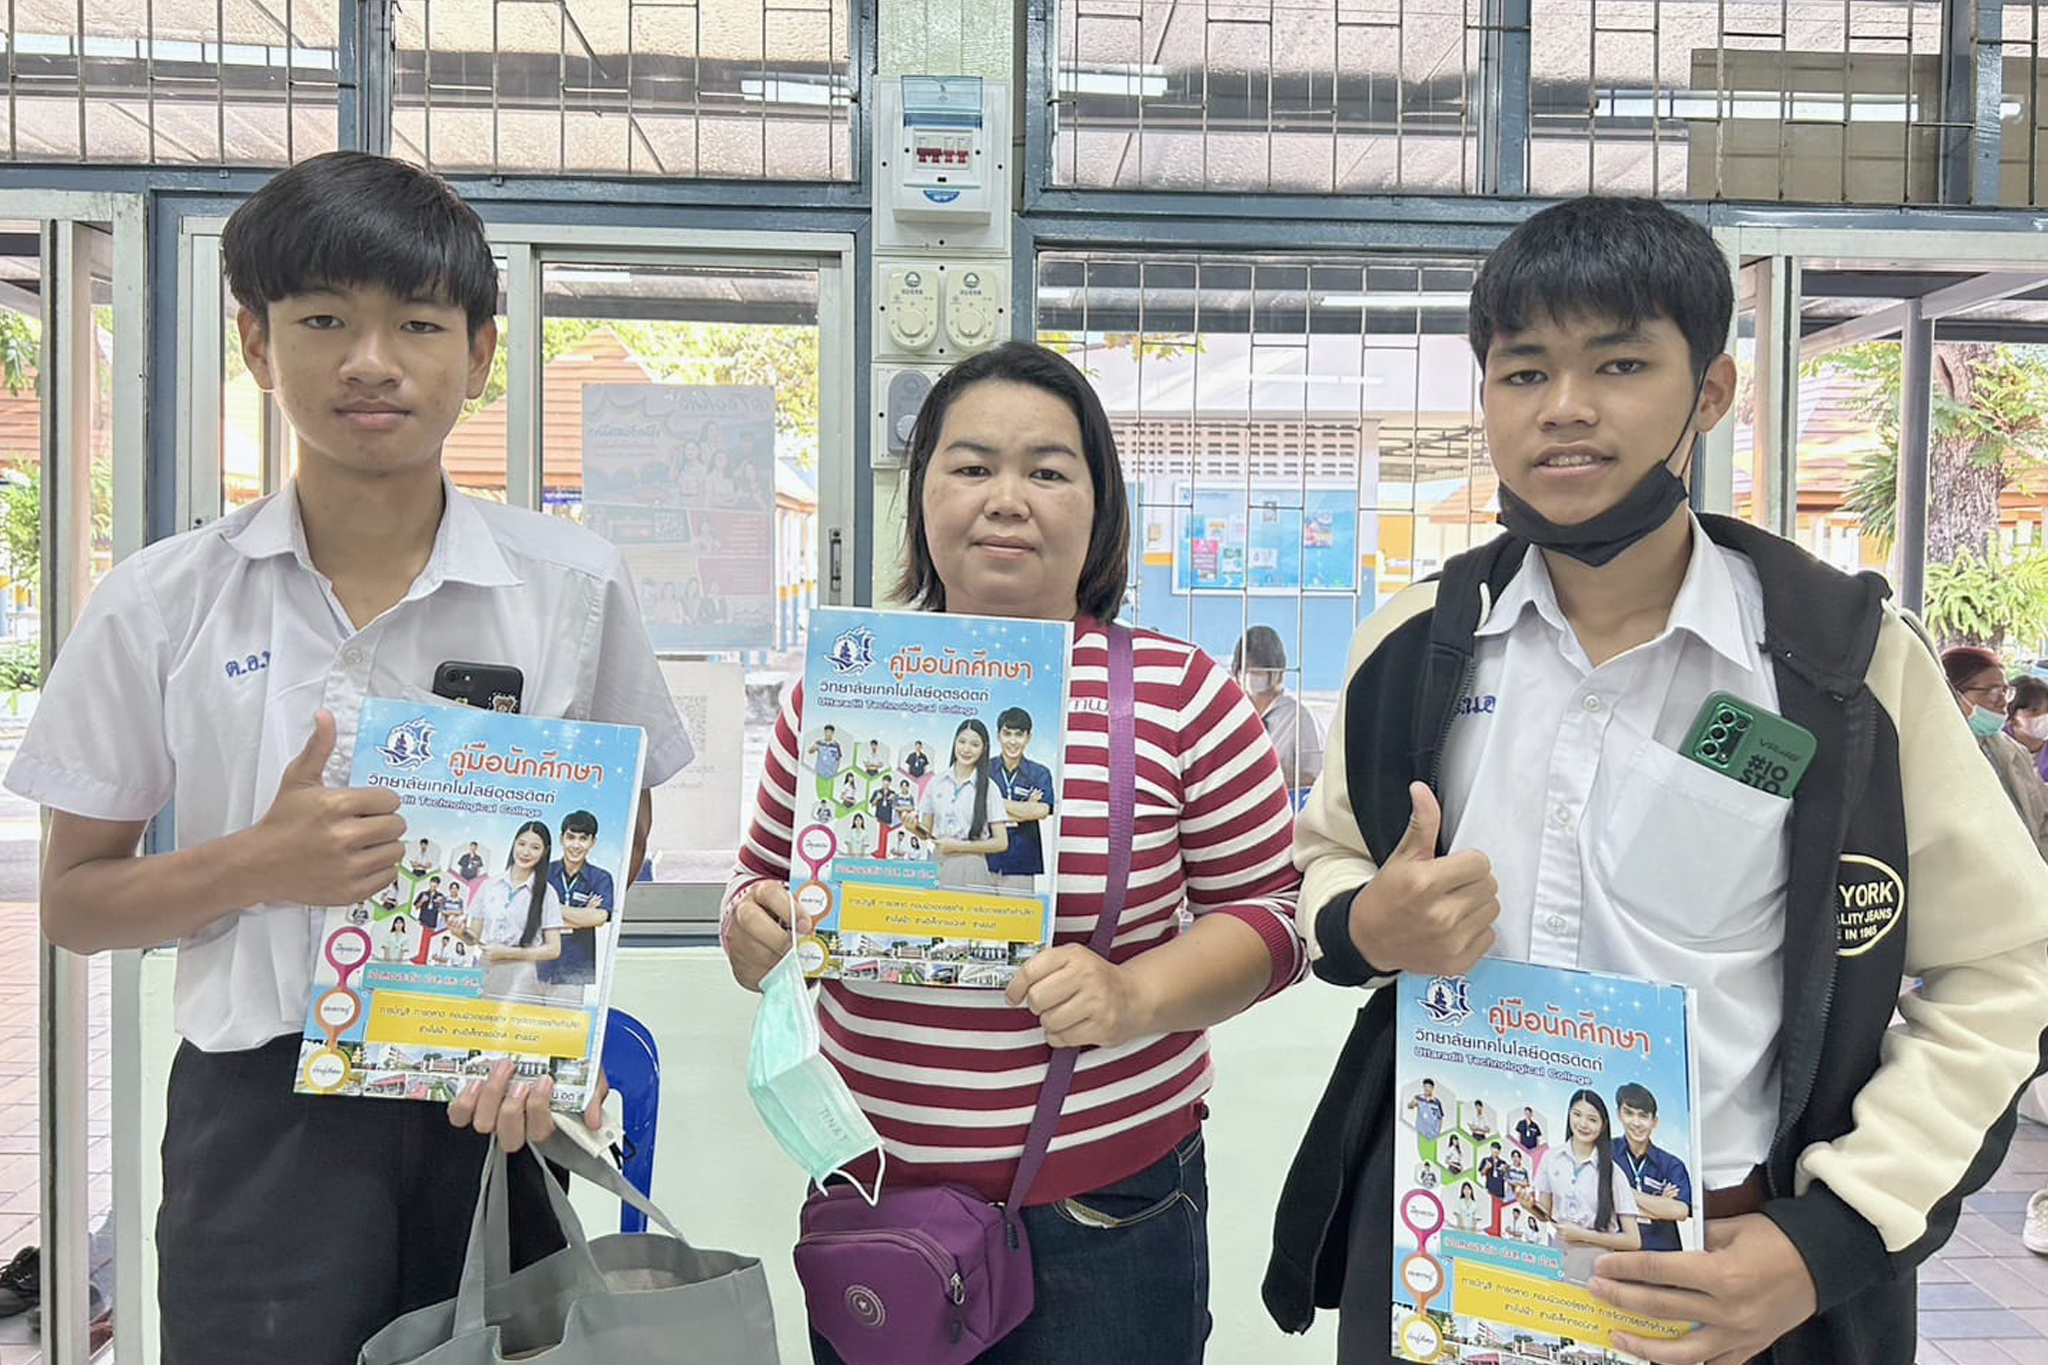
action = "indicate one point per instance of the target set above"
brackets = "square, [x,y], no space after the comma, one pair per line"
[948,1076]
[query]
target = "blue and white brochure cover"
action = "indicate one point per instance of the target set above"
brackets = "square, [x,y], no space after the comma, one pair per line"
[928,794]
[1543,1116]
[497,933]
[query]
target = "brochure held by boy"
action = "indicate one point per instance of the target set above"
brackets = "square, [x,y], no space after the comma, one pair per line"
[497,935]
[928,779]
[1543,1117]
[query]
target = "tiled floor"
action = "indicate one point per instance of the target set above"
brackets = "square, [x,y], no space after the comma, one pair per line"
[1984,1298]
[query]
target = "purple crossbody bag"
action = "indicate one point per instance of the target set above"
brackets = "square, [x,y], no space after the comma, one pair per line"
[937,1274]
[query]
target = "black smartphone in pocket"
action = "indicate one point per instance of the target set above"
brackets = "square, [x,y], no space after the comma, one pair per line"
[488,687]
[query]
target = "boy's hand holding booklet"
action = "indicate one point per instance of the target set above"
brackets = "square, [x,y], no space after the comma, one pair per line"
[1534,1107]
[495,934]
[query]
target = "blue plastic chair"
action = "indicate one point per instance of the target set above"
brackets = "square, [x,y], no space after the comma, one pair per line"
[632,1067]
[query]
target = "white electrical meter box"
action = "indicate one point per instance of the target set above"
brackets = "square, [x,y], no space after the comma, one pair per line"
[943,166]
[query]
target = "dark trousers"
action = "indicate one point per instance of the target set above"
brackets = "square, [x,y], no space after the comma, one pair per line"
[1119,1276]
[293,1227]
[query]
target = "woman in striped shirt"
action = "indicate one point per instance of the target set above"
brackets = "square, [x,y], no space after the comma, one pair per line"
[1017,508]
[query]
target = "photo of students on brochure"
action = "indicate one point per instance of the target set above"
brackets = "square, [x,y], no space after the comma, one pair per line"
[499,944]
[930,853]
[1547,1117]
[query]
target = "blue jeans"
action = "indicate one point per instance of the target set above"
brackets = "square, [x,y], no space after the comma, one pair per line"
[1120,1274]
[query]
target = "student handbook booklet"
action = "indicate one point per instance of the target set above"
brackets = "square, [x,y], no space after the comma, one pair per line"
[1534,1106]
[497,934]
[928,794]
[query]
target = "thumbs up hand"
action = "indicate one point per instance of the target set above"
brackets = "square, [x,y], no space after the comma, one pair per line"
[1425,913]
[323,845]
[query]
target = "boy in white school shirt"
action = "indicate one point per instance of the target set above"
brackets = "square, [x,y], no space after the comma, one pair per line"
[1502,777]
[293,1227]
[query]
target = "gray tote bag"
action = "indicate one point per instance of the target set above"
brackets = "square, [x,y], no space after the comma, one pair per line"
[620,1300]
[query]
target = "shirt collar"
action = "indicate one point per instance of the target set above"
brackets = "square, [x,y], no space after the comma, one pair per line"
[464,550]
[1707,605]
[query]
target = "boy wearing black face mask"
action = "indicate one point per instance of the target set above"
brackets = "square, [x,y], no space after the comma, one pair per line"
[1502,777]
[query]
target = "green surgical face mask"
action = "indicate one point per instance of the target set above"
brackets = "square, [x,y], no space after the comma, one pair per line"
[1984,724]
[800,1095]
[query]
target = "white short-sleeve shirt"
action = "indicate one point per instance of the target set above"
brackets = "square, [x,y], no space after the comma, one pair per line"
[499,911]
[948,803]
[193,674]
[1574,1189]
[1612,852]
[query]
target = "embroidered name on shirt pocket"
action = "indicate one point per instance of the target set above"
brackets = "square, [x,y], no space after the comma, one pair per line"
[1694,855]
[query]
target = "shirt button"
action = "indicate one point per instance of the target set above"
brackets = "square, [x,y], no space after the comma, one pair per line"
[1556,924]
[1562,815]
[352,656]
[1590,702]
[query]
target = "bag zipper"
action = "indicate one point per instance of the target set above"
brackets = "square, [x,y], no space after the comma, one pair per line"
[942,1262]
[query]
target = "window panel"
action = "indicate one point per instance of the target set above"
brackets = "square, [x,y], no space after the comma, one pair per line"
[737,89]
[1295,95]
[1300,435]
[1816,101]
[679,412]
[214,82]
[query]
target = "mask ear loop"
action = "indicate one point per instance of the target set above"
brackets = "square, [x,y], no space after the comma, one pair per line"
[881,1166]
[1692,415]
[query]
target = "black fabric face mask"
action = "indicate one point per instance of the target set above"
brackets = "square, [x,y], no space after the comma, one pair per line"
[1601,537]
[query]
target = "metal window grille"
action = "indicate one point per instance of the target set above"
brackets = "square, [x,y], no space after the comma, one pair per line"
[1300,95]
[1300,435]
[726,89]
[211,82]
[1812,101]
[1817,101]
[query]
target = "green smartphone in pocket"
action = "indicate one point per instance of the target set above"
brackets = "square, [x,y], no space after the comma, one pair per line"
[1757,748]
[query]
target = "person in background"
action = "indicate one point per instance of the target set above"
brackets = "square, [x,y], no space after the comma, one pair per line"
[2026,719]
[1259,663]
[1984,695]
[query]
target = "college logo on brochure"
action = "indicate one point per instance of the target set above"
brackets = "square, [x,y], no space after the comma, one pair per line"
[1870,899]
[409,745]
[1446,1001]
[853,652]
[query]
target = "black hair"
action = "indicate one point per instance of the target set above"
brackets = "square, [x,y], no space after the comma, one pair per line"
[1105,571]
[2029,693]
[538,899]
[1605,256]
[977,828]
[1603,1152]
[579,822]
[1261,649]
[350,218]
[1428,1081]
[1636,1097]
[1014,718]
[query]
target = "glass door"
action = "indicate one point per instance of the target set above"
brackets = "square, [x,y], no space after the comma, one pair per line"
[73,331]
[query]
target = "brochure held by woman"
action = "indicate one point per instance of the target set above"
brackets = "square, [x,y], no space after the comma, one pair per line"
[928,793]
